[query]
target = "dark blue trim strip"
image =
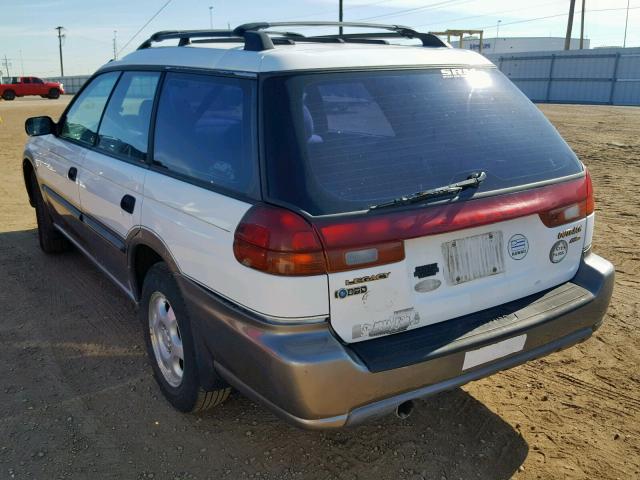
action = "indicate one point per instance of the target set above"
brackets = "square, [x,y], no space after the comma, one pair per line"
[105,232]
[63,202]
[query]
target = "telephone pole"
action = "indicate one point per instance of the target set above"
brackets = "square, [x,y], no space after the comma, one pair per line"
[340,16]
[567,40]
[60,37]
[626,26]
[115,45]
[582,24]
[211,18]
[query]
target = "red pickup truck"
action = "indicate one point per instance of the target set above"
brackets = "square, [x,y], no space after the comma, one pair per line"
[22,86]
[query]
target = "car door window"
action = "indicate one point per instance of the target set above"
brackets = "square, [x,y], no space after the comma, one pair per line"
[36,80]
[205,130]
[81,121]
[124,130]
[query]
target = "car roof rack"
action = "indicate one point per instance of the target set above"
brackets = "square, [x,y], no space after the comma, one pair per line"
[257,36]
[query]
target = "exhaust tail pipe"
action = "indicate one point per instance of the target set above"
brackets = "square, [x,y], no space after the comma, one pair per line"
[405,409]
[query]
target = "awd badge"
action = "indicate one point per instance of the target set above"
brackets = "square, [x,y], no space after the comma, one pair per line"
[350,292]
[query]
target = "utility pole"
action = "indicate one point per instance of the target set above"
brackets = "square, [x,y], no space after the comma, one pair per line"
[497,35]
[626,26]
[340,16]
[211,17]
[115,45]
[582,24]
[60,37]
[567,40]
[21,63]
[7,64]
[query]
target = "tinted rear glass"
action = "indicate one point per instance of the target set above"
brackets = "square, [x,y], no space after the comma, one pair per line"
[340,142]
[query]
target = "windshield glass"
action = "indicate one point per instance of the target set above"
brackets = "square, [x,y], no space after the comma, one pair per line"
[340,142]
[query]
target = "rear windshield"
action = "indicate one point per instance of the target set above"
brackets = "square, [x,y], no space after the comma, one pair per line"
[340,142]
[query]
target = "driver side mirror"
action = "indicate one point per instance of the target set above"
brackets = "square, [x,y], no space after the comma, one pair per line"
[36,126]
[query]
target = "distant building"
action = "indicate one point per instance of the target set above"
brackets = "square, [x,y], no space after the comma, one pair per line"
[519,44]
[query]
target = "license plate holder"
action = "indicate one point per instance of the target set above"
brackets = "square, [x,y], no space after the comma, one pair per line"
[474,257]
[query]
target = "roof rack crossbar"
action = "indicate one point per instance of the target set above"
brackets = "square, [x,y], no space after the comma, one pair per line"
[393,31]
[257,37]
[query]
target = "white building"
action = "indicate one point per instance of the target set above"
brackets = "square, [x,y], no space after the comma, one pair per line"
[519,44]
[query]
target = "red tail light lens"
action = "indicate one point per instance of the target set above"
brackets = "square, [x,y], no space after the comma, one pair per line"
[591,202]
[573,211]
[279,242]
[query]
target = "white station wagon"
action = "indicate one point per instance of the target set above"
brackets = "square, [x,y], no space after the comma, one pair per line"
[335,225]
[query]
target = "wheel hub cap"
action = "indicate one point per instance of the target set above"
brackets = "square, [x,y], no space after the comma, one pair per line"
[166,339]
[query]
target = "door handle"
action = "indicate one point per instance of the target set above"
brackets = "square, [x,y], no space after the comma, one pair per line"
[128,203]
[72,174]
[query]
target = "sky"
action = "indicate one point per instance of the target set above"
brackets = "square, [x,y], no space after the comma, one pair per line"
[29,41]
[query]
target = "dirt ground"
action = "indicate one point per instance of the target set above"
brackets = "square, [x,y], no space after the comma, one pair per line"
[77,399]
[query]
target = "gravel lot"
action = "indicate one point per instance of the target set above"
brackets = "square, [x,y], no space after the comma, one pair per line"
[77,399]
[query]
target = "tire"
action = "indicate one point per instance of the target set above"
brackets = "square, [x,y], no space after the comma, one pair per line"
[162,305]
[54,93]
[9,95]
[51,240]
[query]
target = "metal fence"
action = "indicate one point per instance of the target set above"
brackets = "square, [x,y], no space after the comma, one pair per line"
[71,83]
[605,76]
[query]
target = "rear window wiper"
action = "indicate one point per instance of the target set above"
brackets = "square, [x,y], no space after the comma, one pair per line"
[473,180]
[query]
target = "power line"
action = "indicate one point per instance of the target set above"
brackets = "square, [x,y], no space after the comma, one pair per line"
[501,12]
[416,9]
[145,25]
[626,25]
[299,17]
[557,16]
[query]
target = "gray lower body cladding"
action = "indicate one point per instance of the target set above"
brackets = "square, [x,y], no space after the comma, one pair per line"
[307,376]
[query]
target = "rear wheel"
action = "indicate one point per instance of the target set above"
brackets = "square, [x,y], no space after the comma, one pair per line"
[9,95]
[54,93]
[168,337]
[51,240]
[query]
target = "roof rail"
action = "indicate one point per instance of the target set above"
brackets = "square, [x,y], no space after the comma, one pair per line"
[256,37]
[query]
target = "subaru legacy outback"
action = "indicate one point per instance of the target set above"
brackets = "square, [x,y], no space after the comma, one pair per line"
[334,225]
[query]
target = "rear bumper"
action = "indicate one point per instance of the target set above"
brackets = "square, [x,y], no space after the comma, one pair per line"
[306,375]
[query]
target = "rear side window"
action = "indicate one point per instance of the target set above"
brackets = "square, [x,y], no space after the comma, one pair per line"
[124,130]
[205,131]
[81,121]
[350,140]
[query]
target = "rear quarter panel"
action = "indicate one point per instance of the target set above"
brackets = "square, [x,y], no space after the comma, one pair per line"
[197,225]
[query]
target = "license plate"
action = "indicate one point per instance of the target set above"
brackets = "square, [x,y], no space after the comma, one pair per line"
[493,352]
[474,257]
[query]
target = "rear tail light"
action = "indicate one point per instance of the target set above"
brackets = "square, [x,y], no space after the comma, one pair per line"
[277,241]
[573,211]
[280,242]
